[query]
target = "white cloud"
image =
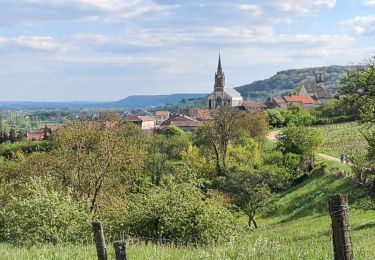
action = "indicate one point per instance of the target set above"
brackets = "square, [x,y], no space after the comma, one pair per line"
[21,11]
[36,42]
[114,60]
[361,24]
[255,10]
[369,3]
[41,43]
[302,7]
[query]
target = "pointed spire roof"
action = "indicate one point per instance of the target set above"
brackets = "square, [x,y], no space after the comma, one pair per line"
[219,68]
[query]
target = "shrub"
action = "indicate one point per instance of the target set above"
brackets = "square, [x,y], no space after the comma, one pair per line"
[38,215]
[177,212]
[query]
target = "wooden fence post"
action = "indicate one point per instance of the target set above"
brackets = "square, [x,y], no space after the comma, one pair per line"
[120,250]
[342,242]
[99,240]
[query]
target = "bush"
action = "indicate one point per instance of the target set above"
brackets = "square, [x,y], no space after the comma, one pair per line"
[38,215]
[9,149]
[177,212]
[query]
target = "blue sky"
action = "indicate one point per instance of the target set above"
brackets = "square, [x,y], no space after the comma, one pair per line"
[64,50]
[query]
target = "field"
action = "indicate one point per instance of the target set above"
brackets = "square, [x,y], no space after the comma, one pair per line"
[343,138]
[297,226]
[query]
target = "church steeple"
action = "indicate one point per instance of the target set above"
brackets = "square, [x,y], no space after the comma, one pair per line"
[219,68]
[219,77]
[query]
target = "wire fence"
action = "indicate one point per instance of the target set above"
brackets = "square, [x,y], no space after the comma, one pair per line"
[320,232]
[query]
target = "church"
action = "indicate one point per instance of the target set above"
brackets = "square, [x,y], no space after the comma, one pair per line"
[222,97]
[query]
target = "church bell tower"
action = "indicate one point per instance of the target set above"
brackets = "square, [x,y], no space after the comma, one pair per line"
[219,85]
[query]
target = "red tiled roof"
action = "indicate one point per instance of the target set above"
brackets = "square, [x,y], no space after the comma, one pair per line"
[139,118]
[254,104]
[186,123]
[279,100]
[35,135]
[181,120]
[162,113]
[300,99]
[146,118]
[200,114]
[133,119]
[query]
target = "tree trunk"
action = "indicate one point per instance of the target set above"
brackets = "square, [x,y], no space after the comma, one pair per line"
[251,220]
[218,167]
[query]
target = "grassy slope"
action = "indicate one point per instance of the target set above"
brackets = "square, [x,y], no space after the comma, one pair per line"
[296,227]
[343,138]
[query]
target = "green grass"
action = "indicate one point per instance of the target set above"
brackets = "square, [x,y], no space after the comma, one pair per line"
[296,226]
[343,138]
[330,165]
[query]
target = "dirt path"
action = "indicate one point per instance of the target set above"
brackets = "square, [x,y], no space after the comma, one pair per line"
[272,136]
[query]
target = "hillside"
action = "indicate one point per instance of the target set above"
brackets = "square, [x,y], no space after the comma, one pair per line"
[284,82]
[129,102]
[297,226]
[155,100]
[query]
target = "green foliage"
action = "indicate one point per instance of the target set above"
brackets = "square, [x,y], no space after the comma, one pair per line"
[275,118]
[359,88]
[253,124]
[333,109]
[244,151]
[174,211]
[40,215]
[9,149]
[172,131]
[284,165]
[297,115]
[300,140]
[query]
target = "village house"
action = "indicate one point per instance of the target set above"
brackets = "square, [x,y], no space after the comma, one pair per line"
[253,106]
[161,116]
[144,122]
[318,90]
[182,121]
[274,102]
[198,114]
[307,101]
[42,133]
[36,135]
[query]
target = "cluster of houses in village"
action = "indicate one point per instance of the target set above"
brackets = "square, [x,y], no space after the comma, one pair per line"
[309,96]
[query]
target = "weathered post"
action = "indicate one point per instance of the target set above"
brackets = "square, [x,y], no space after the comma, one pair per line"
[342,242]
[99,240]
[120,250]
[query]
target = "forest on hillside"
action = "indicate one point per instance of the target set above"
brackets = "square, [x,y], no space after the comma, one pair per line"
[285,82]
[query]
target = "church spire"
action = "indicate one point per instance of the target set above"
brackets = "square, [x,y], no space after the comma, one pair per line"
[219,68]
[219,77]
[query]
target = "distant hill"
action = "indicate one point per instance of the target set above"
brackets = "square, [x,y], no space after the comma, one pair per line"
[156,100]
[129,102]
[6,105]
[285,82]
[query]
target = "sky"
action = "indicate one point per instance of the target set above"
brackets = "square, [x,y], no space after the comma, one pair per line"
[102,50]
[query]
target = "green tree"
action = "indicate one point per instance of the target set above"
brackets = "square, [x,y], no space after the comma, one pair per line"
[94,160]
[359,89]
[218,133]
[275,118]
[249,190]
[303,141]
[297,115]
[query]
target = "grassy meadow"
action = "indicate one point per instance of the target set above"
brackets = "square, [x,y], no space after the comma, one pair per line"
[296,226]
